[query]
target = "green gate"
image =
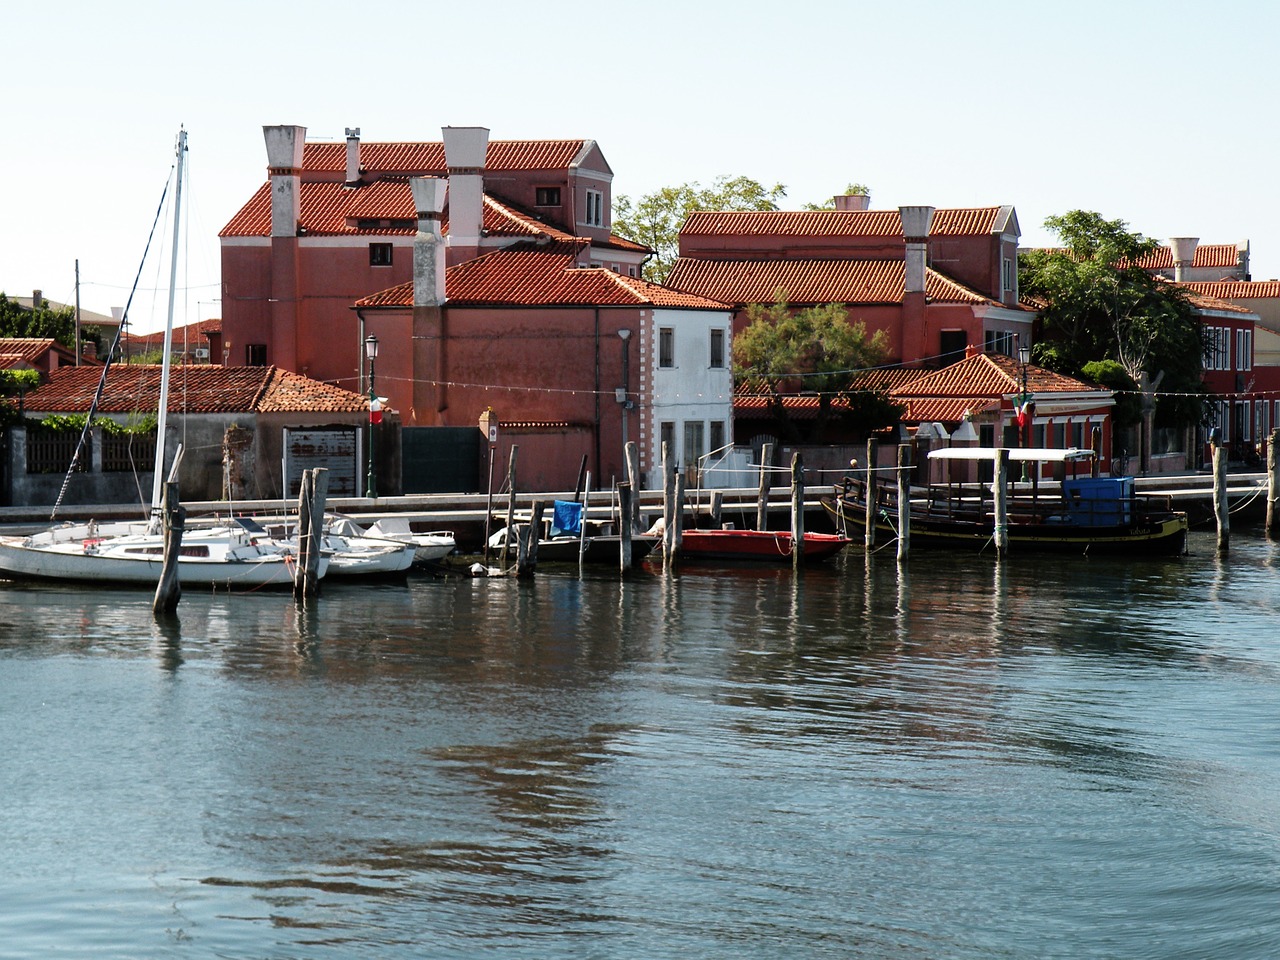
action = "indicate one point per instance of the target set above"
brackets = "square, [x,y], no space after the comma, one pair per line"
[440,459]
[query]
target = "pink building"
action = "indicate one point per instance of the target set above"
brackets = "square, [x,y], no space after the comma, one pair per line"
[936,281]
[336,222]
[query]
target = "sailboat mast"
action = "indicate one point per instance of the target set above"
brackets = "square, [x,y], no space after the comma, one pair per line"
[157,482]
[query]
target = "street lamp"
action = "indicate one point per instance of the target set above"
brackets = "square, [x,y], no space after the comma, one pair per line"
[375,416]
[1024,413]
[622,398]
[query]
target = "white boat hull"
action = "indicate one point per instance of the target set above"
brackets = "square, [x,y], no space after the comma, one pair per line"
[219,557]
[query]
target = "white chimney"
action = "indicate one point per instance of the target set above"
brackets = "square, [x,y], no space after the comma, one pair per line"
[428,248]
[853,202]
[353,156]
[1184,251]
[915,230]
[284,167]
[464,153]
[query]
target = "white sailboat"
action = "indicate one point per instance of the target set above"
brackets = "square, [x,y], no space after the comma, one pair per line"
[226,554]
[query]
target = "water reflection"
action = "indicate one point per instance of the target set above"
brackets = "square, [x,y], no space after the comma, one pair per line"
[947,757]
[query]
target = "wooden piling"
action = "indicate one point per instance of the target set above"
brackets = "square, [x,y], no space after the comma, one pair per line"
[873,458]
[1220,511]
[582,523]
[678,542]
[624,510]
[1095,443]
[904,500]
[1000,502]
[633,479]
[312,494]
[668,508]
[169,589]
[511,508]
[717,509]
[797,510]
[1273,485]
[762,497]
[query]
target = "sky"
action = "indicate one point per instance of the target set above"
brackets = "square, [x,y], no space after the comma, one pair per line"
[1156,114]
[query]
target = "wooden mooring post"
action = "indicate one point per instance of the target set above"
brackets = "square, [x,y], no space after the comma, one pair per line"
[624,526]
[511,512]
[633,478]
[169,589]
[312,493]
[1273,485]
[873,457]
[904,500]
[717,509]
[527,555]
[797,510]
[762,496]
[1220,511]
[1000,502]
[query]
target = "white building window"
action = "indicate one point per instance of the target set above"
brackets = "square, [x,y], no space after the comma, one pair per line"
[666,346]
[1217,355]
[1244,349]
[717,348]
[1009,276]
[693,436]
[667,438]
[595,208]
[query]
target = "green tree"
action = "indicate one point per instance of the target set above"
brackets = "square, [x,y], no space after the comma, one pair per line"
[42,321]
[656,218]
[1099,304]
[815,351]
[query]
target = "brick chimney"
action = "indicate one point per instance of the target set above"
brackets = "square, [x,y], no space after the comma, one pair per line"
[284,167]
[353,156]
[428,247]
[1184,251]
[853,202]
[915,231]
[464,153]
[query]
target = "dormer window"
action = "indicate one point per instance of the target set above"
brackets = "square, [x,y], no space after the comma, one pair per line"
[547,197]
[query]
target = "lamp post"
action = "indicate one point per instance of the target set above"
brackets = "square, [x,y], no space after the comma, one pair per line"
[625,336]
[375,417]
[1024,413]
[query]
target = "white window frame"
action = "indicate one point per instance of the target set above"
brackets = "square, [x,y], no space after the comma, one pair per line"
[595,208]
[716,346]
[666,348]
[1244,349]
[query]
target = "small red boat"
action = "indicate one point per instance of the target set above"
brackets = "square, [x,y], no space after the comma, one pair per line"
[769,546]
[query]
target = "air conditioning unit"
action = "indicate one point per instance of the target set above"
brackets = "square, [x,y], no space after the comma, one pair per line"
[202,353]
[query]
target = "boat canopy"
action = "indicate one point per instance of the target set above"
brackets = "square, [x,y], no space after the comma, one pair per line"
[1036,454]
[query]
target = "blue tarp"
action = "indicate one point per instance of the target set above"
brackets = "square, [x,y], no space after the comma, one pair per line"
[566,517]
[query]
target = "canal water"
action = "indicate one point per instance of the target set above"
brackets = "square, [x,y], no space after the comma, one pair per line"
[1046,758]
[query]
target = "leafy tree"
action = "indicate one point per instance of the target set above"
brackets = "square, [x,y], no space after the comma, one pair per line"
[815,350]
[42,321]
[656,218]
[1099,304]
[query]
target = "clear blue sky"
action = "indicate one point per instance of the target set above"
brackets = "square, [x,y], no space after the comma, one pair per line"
[1158,114]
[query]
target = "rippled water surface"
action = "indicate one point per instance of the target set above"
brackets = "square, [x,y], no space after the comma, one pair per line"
[1045,758]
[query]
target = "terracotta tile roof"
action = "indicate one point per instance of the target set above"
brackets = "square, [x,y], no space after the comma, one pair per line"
[16,350]
[529,274]
[945,409]
[989,375]
[427,158]
[194,334]
[1236,289]
[384,208]
[1202,302]
[196,389]
[837,223]
[810,281]
[1207,255]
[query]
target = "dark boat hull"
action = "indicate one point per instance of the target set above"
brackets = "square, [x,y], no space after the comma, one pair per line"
[1161,534]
